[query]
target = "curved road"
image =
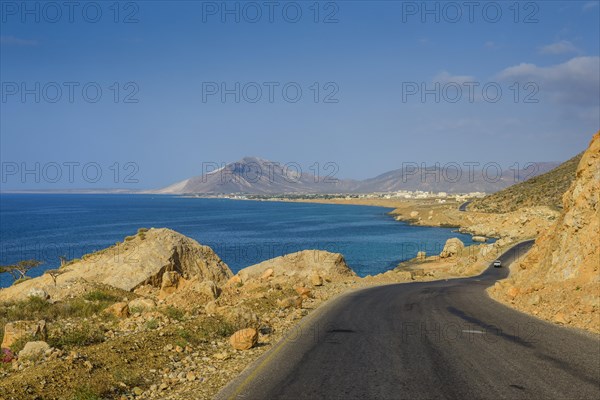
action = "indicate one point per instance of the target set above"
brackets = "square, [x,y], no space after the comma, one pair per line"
[425,340]
[463,206]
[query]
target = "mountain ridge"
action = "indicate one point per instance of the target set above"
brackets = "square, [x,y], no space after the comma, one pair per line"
[258,176]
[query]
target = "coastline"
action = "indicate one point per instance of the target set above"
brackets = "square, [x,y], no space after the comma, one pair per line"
[258,300]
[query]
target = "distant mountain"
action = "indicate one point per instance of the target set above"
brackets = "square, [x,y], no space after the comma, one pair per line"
[451,178]
[543,190]
[252,175]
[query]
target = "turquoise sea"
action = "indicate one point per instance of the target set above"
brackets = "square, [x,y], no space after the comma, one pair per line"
[243,233]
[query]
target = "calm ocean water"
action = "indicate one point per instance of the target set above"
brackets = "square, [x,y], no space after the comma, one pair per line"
[46,226]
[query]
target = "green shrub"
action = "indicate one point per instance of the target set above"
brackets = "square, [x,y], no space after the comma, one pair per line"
[151,324]
[100,295]
[216,326]
[136,310]
[173,313]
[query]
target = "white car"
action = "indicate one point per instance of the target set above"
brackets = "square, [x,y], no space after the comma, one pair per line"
[497,264]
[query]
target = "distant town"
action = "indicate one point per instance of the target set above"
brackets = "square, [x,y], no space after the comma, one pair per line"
[440,197]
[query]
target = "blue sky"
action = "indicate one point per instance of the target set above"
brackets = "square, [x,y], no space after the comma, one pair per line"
[366,61]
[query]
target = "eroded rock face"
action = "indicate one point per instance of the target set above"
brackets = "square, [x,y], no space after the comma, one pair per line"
[170,281]
[14,331]
[191,293]
[560,275]
[139,260]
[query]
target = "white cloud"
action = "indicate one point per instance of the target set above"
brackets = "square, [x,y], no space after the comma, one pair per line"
[560,47]
[14,41]
[575,82]
[589,5]
[445,77]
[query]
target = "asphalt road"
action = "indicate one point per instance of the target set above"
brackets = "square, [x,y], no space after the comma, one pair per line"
[425,340]
[463,206]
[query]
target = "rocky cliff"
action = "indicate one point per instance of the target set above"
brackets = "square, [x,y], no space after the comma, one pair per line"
[559,279]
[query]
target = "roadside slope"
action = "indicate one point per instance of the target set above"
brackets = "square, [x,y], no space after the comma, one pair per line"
[559,280]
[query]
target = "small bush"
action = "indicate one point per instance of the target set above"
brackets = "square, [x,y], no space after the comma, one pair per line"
[136,310]
[129,238]
[151,324]
[100,295]
[191,337]
[142,230]
[173,313]
[214,326]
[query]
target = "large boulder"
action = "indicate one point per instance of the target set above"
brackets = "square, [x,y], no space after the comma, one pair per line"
[140,260]
[244,339]
[453,247]
[302,265]
[33,351]
[38,293]
[14,331]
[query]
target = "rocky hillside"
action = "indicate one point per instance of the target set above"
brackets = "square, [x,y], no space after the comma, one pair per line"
[543,190]
[139,260]
[559,279]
